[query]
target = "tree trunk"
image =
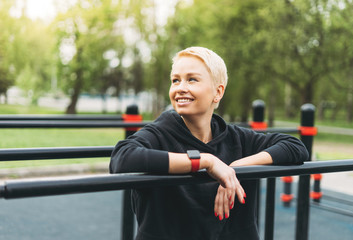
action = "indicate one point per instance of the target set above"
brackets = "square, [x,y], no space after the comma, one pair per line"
[350,93]
[71,109]
[307,92]
[272,104]
[350,103]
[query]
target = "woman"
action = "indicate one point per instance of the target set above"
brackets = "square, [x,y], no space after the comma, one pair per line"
[201,211]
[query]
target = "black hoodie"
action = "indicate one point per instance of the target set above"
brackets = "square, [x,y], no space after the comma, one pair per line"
[186,212]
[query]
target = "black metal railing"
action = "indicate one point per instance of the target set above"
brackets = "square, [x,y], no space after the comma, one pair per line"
[70,185]
[87,184]
[11,189]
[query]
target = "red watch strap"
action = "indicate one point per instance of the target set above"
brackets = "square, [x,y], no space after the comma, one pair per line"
[195,165]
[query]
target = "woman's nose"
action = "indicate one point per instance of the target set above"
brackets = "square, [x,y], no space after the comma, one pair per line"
[183,86]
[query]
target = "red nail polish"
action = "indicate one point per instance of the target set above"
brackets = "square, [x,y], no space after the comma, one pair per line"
[227,216]
[230,198]
[216,214]
[231,205]
[244,194]
[220,218]
[243,202]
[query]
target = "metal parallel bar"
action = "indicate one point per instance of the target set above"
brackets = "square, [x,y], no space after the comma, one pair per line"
[302,220]
[270,208]
[13,117]
[17,154]
[86,184]
[71,124]
[332,209]
[100,124]
[128,216]
[128,222]
[279,130]
[303,202]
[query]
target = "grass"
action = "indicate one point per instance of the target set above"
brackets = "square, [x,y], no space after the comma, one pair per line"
[19,109]
[32,138]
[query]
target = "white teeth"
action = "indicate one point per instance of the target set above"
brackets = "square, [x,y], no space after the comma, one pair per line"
[184,100]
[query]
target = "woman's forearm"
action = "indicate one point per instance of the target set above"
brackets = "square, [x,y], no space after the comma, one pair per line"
[180,162]
[261,158]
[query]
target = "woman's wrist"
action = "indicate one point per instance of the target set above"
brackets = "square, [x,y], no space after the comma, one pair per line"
[206,160]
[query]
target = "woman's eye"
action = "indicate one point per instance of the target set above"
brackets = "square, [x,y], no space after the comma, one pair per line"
[175,80]
[192,79]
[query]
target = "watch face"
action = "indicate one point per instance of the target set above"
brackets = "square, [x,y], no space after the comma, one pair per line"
[193,154]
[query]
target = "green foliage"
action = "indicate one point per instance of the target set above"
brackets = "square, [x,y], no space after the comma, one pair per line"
[284,52]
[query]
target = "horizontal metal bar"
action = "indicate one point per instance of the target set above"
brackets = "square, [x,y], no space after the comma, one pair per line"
[86,184]
[71,124]
[332,209]
[279,130]
[52,117]
[16,154]
[101,124]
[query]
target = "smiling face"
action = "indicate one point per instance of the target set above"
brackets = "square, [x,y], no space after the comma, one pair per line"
[192,91]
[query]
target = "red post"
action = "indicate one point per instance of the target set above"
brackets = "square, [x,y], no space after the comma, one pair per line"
[287,196]
[316,194]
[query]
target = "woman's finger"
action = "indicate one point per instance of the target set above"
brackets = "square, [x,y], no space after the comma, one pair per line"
[219,203]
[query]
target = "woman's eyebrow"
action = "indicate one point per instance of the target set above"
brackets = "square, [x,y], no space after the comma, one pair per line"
[194,74]
[188,74]
[174,75]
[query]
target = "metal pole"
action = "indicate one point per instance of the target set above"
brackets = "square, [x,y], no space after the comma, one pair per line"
[307,131]
[128,216]
[270,208]
[258,123]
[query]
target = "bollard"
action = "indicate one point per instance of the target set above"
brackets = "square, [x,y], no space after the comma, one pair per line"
[127,232]
[287,196]
[316,194]
[307,132]
[132,115]
[258,123]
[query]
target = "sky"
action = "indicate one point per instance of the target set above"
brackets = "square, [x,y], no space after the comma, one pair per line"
[45,9]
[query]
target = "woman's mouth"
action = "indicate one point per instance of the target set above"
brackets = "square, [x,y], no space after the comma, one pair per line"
[184,100]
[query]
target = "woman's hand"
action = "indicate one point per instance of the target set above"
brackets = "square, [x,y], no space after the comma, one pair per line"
[223,204]
[230,185]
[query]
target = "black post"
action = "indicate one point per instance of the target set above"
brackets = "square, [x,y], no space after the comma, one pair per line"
[128,216]
[270,208]
[257,123]
[307,131]
[316,194]
[258,107]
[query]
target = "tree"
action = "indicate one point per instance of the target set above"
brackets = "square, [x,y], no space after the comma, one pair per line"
[87,32]
[7,35]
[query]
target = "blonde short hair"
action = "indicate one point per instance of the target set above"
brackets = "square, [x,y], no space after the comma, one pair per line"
[212,60]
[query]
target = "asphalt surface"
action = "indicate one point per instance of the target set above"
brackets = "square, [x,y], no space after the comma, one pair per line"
[98,216]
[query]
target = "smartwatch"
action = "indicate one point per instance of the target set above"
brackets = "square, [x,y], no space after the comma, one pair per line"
[194,156]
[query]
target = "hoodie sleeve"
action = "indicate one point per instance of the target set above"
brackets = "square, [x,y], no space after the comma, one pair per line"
[139,153]
[283,148]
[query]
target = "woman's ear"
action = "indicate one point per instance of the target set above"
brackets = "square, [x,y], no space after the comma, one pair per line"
[219,93]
